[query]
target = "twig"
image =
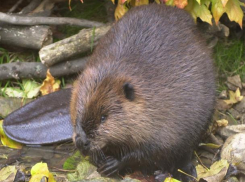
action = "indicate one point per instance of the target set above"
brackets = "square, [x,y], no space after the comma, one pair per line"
[33,4]
[15,6]
[20,20]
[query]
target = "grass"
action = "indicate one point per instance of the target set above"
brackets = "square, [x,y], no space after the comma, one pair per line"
[229,60]
[93,10]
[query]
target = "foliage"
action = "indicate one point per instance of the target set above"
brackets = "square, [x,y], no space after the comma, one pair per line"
[203,9]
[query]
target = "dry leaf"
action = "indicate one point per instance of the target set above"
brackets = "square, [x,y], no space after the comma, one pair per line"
[234,97]
[6,172]
[49,84]
[215,169]
[222,122]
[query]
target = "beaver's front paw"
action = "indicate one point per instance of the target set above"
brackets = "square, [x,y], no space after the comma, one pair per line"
[110,166]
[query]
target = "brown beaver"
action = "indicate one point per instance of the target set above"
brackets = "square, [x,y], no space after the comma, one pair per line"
[146,95]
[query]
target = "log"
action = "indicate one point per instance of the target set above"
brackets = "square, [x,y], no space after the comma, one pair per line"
[21,70]
[33,37]
[71,46]
[26,20]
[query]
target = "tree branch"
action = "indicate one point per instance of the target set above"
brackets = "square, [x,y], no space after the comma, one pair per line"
[20,20]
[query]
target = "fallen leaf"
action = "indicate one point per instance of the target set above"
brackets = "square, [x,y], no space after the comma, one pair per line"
[6,172]
[49,85]
[234,97]
[216,167]
[222,122]
[13,92]
[31,88]
[40,170]
[7,141]
[170,179]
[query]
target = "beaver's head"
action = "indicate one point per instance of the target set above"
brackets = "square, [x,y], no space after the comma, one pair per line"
[107,110]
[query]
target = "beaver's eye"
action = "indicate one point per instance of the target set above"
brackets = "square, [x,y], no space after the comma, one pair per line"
[103,119]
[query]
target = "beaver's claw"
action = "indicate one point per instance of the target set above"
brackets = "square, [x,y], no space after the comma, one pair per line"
[110,166]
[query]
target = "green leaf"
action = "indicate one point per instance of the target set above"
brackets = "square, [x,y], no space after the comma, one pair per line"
[13,92]
[31,88]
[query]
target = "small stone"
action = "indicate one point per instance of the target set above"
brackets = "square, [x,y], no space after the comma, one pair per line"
[222,106]
[234,82]
[223,94]
[233,151]
[240,107]
[235,113]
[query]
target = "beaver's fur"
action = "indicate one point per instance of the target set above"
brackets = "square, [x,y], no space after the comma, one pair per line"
[147,93]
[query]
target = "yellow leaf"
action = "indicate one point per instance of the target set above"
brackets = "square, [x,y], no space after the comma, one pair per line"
[214,169]
[158,1]
[199,10]
[234,11]
[224,2]
[49,84]
[141,2]
[202,12]
[170,179]
[6,141]
[39,170]
[121,9]
[199,1]
[222,122]
[217,10]
[234,97]
[6,172]
[113,1]
[180,3]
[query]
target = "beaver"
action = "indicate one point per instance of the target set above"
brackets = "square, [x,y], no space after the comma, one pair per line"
[146,95]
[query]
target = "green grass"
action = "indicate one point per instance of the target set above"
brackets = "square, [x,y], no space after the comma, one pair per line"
[229,60]
[93,10]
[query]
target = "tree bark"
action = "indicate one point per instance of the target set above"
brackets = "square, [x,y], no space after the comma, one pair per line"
[20,70]
[33,37]
[71,46]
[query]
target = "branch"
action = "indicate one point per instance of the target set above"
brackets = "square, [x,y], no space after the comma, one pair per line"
[20,20]
[34,37]
[33,4]
[15,6]
[71,46]
[20,70]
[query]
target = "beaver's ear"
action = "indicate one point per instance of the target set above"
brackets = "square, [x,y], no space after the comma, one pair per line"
[129,91]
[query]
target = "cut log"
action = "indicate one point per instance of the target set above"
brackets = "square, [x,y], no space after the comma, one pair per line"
[20,70]
[71,46]
[33,37]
